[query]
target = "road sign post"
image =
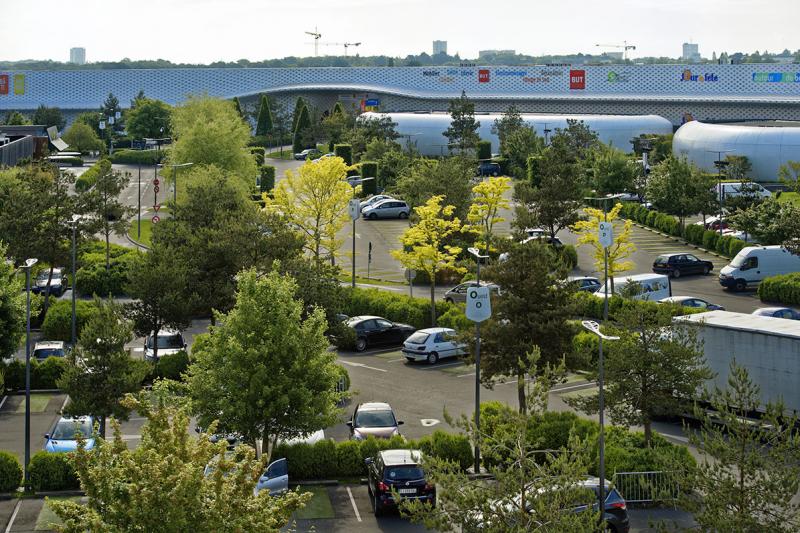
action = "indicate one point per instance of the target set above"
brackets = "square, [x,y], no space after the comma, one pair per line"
[354,209]
[410,275]
[369,258]
[605,235]
[479,308]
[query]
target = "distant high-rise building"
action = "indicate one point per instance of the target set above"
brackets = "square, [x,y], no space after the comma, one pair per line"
[77,56]
[439,47]
[489,53]
[691,52]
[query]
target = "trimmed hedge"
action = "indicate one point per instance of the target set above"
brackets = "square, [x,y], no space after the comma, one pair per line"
[73,161]
[57,324]
[93,278]
[392,306]
[10,472]
[783,289]
[138,157]
[590,306]
[345,151]
[484,149]
[87,180]
[259,153]
[369,169]
[171,366]
[328,459]
[267,178]
[53,471]
[44,375]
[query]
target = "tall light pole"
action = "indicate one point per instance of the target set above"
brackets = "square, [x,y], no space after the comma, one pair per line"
[720,164]
[139,205]
[74,225]
[478,257]
[355,212]
[27,266]
[175,181]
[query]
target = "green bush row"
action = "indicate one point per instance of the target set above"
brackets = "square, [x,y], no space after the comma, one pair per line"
[170,366]
[783,289]
[328,459]
[93,278]
[395,307]
[57,325]
[138,157]
[590,306]
[53,471]
[10,472]
[267,181]
[87,180]
[73,161]
[44,375]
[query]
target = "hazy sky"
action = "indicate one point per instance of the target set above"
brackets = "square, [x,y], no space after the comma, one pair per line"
[201,31]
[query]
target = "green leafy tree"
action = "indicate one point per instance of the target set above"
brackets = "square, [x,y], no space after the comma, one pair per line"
[138,99]
[335,125]
[484,213]
[264,123]
[81,138]
[769,222]
[237,105]
[149,119]
[110,108]
[511,121]
[365,131]
[748,473]
[281,125]
[298,108]
[300,140]
[91,119]
[109,214]
[162,484]
[99,370]
[284,360]
[613,172]
[463,130]
[12,307]
[49,116]
[449,178]
[678,188]
[518,141]
[15,118]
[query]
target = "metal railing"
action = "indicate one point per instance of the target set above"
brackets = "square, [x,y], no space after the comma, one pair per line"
[647,487]
[11,153]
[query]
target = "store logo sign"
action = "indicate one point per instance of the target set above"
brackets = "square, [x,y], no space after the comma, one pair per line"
[618,77]
[776,77]
[3,83]
[577,79]
[687,75]
[483,76]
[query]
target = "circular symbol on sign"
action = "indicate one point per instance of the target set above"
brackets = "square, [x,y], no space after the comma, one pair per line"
[478,305]
[473,294]
[156,182]
[156,219]
[156,189]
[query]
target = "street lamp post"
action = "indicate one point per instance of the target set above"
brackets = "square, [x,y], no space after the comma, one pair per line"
[74,224]
[720,164]
[28,265]
[475,252]
[139,206]
[355,213]
[175,180]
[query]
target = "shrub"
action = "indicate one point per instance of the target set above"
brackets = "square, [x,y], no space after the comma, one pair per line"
[694,233]
[345,151]
[267,178]
[393,306]
[503,162]
[171,366]
[534,170]
[569,255]
[259,153]
[138,157]
[783,289]
[369,169]
[45,374]
[651,218]
[10,472]
[53,471]
[448,446]
[73,161]
[736,246]
[455,318]
[710,239]
[484,150]
[723,244]
[87,180]
[57,324]
[92,276]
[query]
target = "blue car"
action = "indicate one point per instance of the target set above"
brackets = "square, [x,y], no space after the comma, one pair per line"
[63,438]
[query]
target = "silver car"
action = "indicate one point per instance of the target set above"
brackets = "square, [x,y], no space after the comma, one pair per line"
[389,208]
[372,200]
[458,294]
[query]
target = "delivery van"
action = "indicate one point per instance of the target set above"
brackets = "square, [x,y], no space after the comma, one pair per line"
[754,263]
[653,287]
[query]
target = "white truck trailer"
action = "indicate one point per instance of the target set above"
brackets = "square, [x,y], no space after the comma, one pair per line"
[769,348]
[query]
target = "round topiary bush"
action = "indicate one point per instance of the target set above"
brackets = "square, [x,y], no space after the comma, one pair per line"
[53,471]
[10,472]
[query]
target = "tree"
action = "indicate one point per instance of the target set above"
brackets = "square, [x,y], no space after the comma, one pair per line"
[280,122]
[298,108]
[237,105]
[647,372]
[149,119]
[158,283]
[553,205]
[162,484]
[91,119]
[463,130]
[99,371]
[314,200]
[678,188]
[138,99]
[622,248]
[110,216]
[336,125]
[15,118]
[425,247]
[49,116]
[449,178]
[613,172]
[531,312]
[510,121]
[110,108]
[518,141]
[209,132]
[489,199]
[770,222]
[264,124]
[12,307]
[362,132]
[300,139]
[283,361]
[748,474]
[81,138]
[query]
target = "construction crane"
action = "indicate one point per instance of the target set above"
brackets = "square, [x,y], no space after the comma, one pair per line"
[346,45]
[624,47]
[317,36]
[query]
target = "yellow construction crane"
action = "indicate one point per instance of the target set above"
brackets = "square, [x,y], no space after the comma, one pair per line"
[624,47]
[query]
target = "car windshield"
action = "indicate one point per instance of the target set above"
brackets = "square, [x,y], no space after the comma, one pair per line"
[375,419]
[418,338]
[43,353]
[168,342]
[66,429]
[662,259]
[738,261]
[404,473]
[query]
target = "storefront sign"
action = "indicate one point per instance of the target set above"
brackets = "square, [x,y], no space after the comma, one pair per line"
[3,83]
[618,77]
[19,84]
[483,76]
[577,79]
[688,75]
[776,77]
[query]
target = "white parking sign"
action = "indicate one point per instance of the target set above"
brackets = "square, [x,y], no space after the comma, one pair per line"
[606,234]
[479,306]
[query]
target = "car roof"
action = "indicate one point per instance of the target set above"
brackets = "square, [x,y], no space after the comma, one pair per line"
[374,406]
[49,344]
[362,318]
[676,299]
[581,278]
[434,330]
[83,418]
[167,331]
[400,457]
[673,254]
[379,202]
[770,309]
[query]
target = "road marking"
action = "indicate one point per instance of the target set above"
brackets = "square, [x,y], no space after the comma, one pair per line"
[466,375]
[362,365]
[131,437]
[3,401]
[441,366]
[573,387]
[14,516]
[138,349]
[63,405]
[392,361]
[428,422]
[352,501]
[675,437]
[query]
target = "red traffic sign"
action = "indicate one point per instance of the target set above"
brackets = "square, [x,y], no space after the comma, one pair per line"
[156,182]
[156,219]
[156,207]
[156,189]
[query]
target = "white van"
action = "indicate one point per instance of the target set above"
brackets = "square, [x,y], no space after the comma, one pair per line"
[653,287]
[754,263]
[735,189]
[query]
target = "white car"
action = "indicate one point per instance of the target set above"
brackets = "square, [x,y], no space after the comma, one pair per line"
[389,208]
[433,344]
[372,200]
[169,342]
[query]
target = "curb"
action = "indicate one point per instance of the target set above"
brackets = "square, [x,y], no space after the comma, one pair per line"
[136,243]
[310,482]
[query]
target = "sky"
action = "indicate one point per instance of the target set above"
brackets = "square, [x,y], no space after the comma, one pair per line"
[203,31]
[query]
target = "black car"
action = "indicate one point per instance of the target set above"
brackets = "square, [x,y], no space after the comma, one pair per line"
[397,470]
[676,265]
[487,168]
[585,283]
[377,331]
[615,513]
[58,282]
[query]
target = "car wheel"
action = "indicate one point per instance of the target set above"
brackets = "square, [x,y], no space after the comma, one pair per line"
[449,300]
[706,270]
[740,285]
[494,173]
[372,216]
[433,358]
[676,273]
[410,359]
[403,215]
[361,344]
[376,506]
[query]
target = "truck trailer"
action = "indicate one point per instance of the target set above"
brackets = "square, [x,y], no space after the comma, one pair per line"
[769,348]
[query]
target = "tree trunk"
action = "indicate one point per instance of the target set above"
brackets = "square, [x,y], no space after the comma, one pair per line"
[433,299]
[648,432]
[102,430]
[523,402]
[46,291]
[108,251]
[155,345]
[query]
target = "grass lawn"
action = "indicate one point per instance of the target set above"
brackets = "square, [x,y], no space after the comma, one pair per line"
[287,154]
[47,516]
[147,227]
[372,281]
[318,507]
[790,197]
[38,403]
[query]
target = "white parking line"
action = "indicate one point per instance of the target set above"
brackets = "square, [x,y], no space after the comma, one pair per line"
[361,365]
[441,366]
[396,360]
[466,375]
[581,386]
[349,493]
[3,401]
[16,510]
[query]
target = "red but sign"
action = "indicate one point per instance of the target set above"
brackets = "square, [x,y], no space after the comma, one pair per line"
[483,76]
[3,83]
[577,79]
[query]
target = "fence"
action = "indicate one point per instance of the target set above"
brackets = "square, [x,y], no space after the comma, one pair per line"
[647,487]
[11,153]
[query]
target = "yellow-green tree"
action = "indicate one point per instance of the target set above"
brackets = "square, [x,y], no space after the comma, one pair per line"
[488,200]
[425,247]
[617,253]
[314,200]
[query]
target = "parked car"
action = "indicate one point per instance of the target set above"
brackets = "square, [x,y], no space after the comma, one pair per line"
[488,168]
[652,287]
[323,156]
[458,294]
[691,301]
[169,342]
[308,153]
[372,200]
[432,344]
[275,478]
[377,331]
[778,312]
[754,263]
[58,282]
[374,418]
[354,180]
[735,189]
[397,470]
[676,265]
[63,437]
[741,235]
[713,223]
[389,208]
[44,349]
[585,283]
